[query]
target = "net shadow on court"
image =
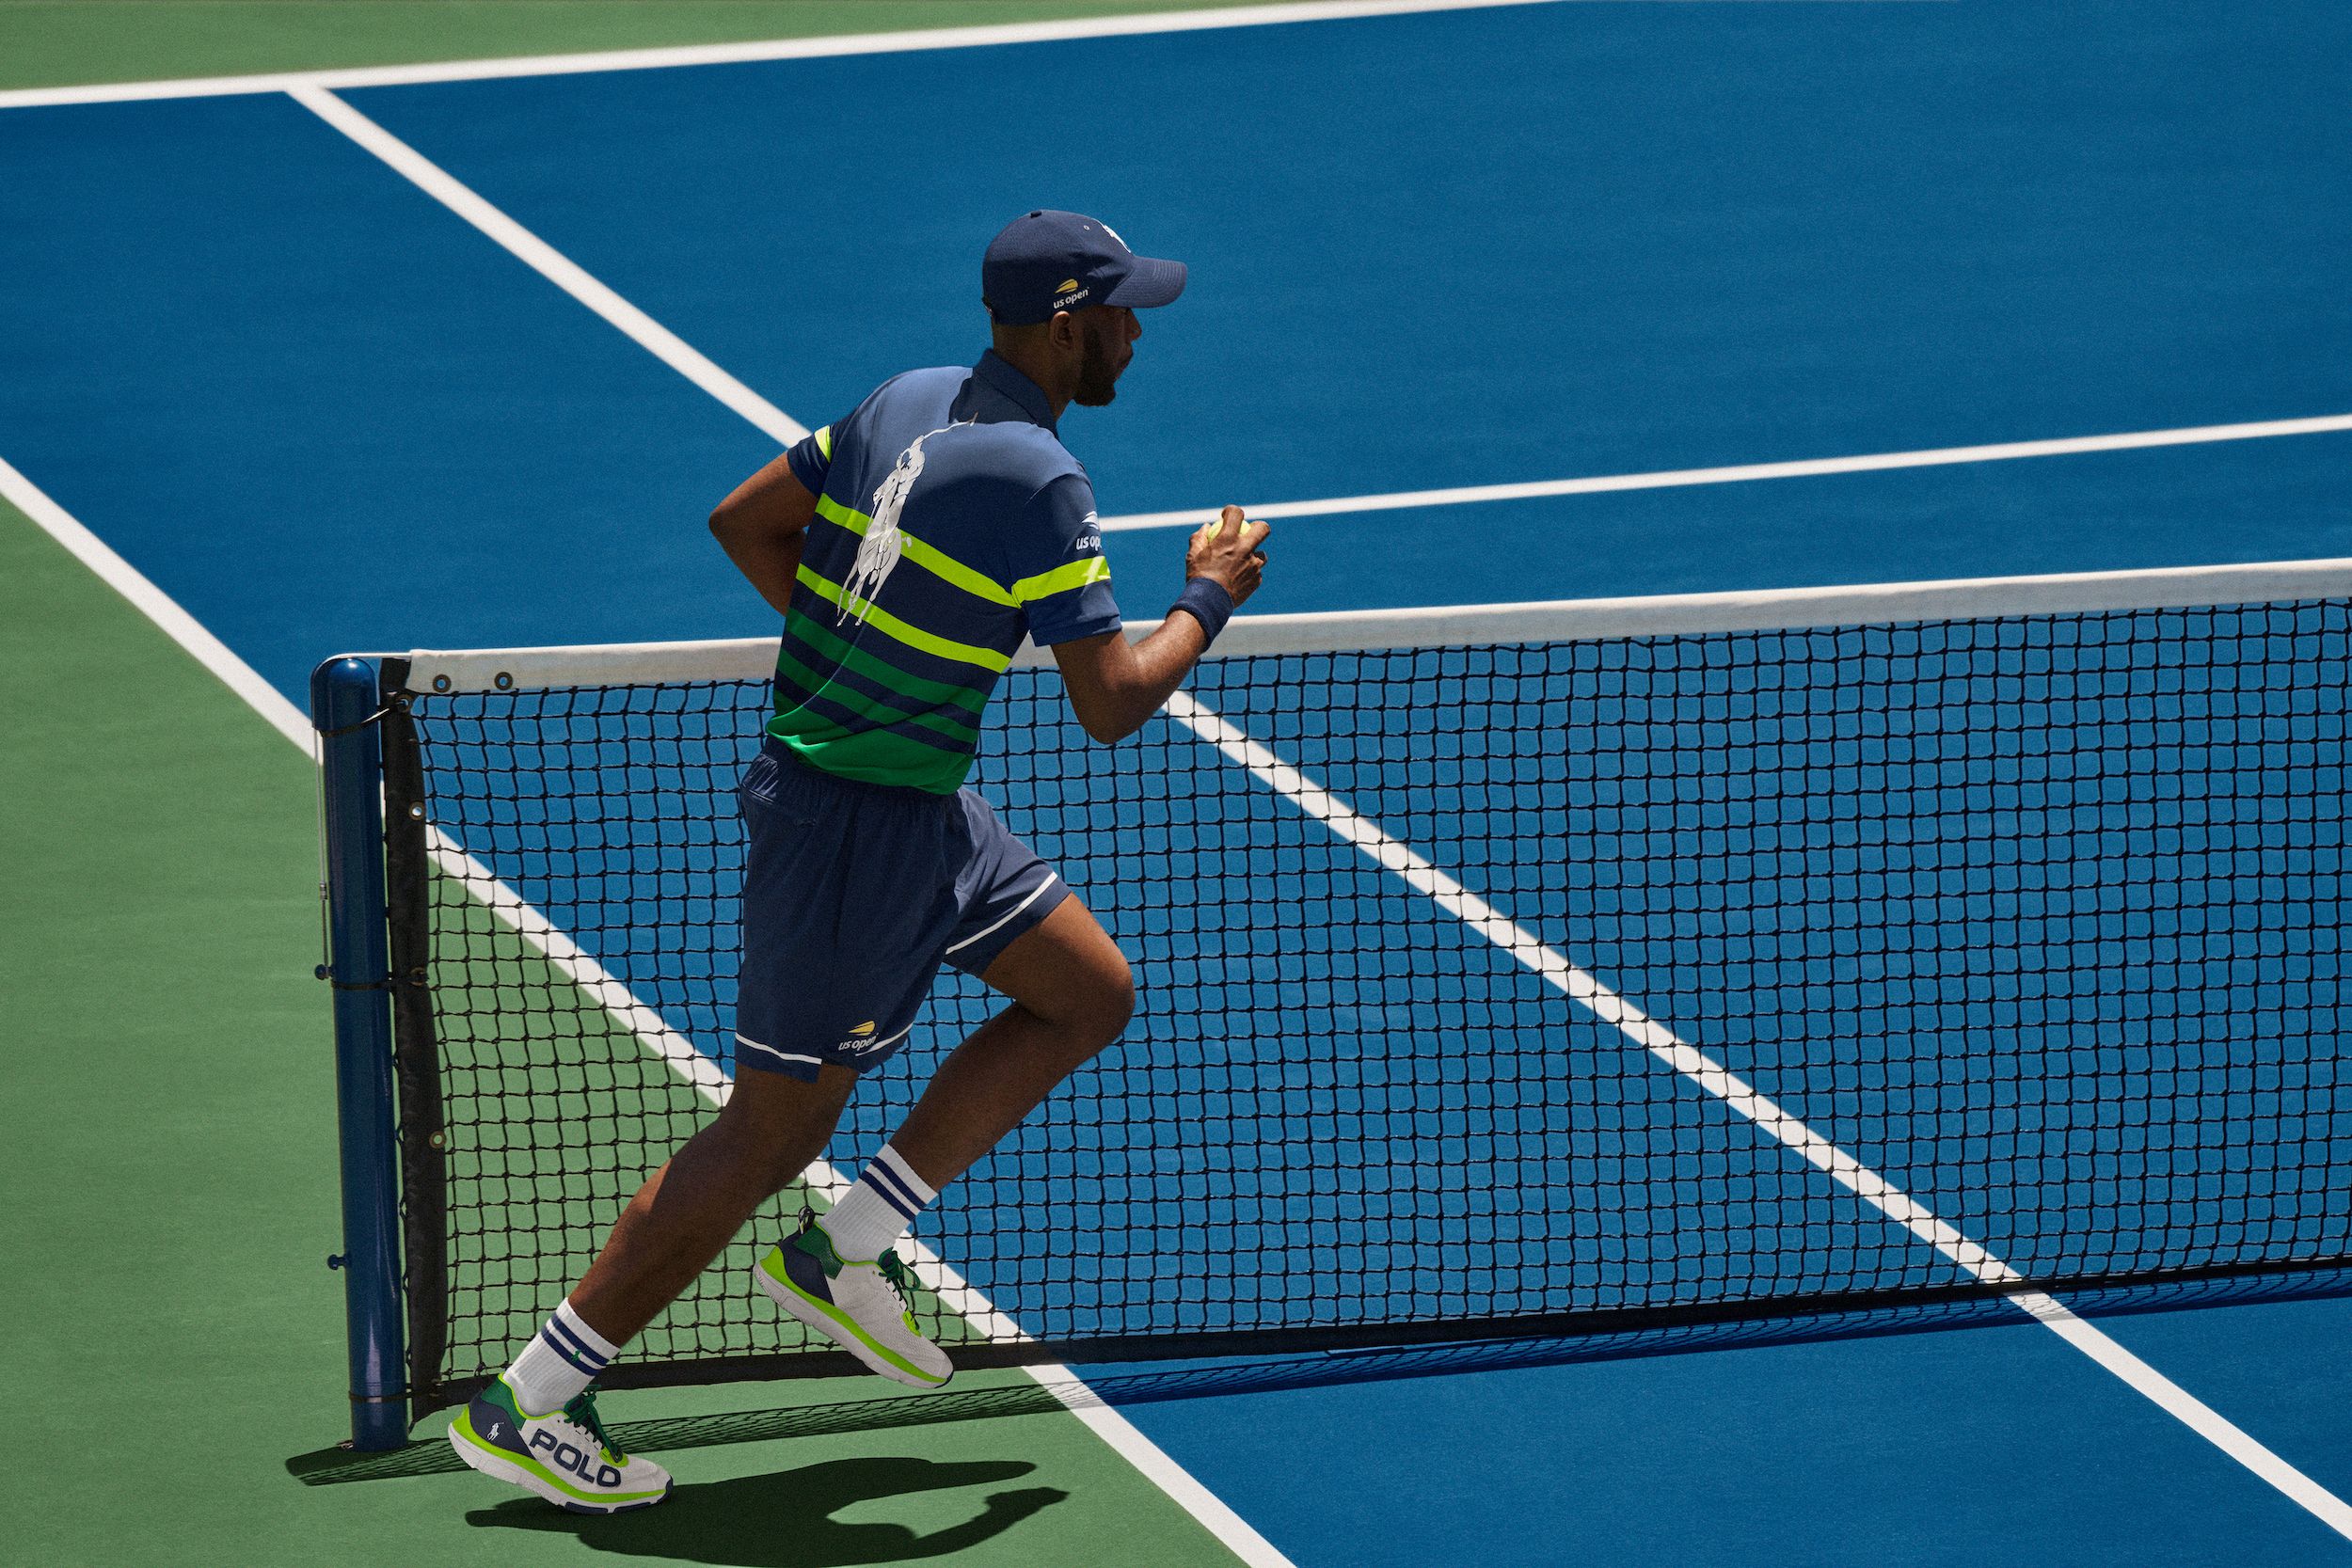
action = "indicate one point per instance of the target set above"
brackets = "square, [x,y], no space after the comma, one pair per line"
[1007,1395]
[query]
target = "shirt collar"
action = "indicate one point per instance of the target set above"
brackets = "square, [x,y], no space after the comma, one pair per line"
[1026,394]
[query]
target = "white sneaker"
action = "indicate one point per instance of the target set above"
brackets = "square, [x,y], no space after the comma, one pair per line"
[563,1456]
[862,1307]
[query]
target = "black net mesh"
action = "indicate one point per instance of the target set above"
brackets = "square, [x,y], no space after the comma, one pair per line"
[2037,918]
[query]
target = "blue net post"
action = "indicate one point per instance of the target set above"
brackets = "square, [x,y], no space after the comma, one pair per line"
[343,705]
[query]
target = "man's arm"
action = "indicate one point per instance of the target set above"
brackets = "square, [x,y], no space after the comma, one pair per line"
[1114,684]
[762,526]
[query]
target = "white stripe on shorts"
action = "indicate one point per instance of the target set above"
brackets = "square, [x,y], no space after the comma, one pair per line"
[779,1055]
[1050,881]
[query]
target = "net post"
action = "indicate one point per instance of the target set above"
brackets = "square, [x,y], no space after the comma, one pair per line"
[344,709]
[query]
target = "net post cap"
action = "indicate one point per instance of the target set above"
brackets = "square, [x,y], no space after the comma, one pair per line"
[1047,260]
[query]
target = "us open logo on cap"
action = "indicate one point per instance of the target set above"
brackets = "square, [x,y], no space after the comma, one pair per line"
[1064,296]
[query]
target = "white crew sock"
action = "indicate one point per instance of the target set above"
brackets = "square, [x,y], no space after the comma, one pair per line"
[873,1215]
[556,1368]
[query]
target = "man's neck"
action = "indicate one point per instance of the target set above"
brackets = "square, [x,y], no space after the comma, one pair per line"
[1033,361]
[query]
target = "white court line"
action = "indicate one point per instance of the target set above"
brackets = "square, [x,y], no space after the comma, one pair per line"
[552,264]
[647,1025]
[632,1013]
[1933,457]
[735,54]
[1626,1019]
[157,606]
[708,1079]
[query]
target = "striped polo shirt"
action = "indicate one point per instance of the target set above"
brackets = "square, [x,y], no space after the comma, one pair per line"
[950,524]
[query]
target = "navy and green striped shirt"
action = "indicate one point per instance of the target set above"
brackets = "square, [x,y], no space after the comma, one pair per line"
[950,523]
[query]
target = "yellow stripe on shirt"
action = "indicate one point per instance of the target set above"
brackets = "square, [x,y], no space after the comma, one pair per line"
[938,562]
[1069,575]
[898,630]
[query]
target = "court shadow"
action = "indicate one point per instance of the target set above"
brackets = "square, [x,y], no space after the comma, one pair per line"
[999,1396]
[784,1519]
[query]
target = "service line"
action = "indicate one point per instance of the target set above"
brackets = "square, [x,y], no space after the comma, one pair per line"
[1805,468]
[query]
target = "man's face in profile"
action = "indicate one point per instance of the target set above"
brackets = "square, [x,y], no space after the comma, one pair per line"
[1107,335]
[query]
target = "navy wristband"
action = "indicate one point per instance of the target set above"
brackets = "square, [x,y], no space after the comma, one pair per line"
[1206,601]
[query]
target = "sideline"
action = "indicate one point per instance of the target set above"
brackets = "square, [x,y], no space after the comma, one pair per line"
[1999,451]
[1391,855]
[1230,1529]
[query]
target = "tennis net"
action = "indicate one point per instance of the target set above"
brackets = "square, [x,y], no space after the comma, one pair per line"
[1544,969]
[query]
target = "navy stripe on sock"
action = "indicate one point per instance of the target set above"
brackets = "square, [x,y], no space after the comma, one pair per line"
[895,1202]
[571,1337]
[905,1183]
[894,1189]
[586,1364]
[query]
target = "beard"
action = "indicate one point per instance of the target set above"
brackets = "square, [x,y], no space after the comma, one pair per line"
[1097,377]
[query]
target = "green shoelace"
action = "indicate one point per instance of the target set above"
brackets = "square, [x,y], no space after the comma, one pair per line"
[583,1411]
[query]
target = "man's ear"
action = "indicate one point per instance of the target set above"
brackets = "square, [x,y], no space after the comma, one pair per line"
[1065,330]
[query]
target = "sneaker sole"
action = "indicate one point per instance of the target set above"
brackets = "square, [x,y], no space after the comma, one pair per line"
[842,1330]
[494,1464]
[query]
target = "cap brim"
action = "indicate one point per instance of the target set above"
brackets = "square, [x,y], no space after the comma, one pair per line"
[1151,282]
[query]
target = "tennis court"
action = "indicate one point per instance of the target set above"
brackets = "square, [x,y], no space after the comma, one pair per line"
[1490,304]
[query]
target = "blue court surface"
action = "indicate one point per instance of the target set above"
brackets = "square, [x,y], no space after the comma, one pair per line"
[321,410]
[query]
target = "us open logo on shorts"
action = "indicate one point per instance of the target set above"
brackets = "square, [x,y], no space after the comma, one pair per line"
[861,1040]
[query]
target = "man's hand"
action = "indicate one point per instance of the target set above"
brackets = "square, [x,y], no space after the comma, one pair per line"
[1227,552]
[1115,687]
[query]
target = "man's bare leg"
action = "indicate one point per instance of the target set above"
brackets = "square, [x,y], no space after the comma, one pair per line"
[1072,994]
[765,1135]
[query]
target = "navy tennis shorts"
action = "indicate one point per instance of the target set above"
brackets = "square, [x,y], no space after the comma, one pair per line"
[853,895]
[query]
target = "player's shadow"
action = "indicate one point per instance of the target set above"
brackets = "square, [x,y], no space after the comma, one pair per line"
[784,1519]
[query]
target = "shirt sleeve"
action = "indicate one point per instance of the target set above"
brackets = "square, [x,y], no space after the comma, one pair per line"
[1060,579]
[811,458]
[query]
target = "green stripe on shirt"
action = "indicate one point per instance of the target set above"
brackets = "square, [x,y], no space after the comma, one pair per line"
[881,670]
[877,756]
[872,708]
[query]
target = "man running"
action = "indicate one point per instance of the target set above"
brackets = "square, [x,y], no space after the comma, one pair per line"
[910,548]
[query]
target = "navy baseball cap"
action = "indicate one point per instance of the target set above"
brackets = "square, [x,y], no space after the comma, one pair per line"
[1044,262]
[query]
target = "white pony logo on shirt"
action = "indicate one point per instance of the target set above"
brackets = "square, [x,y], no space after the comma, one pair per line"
[878,552]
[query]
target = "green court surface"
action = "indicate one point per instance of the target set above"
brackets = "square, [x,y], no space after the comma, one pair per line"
[174,1369]
[45,43]
[167,1133]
